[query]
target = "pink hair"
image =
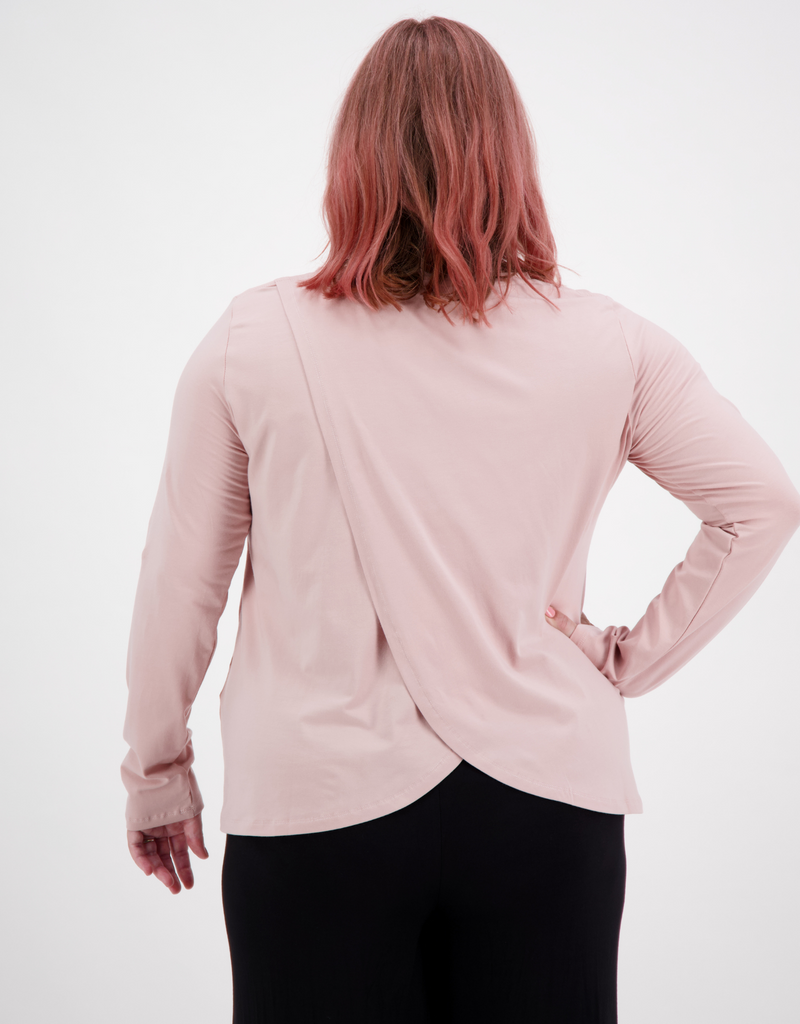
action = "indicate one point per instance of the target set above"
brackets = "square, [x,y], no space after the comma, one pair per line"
[432,183]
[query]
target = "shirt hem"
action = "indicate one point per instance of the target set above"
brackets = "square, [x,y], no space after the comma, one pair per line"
[283,826]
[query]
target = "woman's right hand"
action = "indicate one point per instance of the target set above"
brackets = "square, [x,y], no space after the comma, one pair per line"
[170,841]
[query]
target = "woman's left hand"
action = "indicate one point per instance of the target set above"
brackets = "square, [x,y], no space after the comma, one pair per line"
[563,622]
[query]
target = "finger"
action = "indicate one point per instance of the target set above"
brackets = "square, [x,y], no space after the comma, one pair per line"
[140,845]
[563,623]
[152,855]
[193,830]
[180,854]
[191,836]
[163,867]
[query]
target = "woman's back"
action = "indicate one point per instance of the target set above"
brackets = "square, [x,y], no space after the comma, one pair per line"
[416,492]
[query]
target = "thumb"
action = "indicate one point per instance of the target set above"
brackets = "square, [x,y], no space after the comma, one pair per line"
[563,623]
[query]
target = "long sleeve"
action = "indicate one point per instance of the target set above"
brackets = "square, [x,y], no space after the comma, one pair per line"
[694,443]
[195,537]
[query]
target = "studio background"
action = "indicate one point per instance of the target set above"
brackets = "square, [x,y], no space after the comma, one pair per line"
[161,157]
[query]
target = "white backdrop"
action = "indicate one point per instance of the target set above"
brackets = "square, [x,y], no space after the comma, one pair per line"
[160,157]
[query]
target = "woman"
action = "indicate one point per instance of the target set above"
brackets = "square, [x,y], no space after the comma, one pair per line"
[426,755]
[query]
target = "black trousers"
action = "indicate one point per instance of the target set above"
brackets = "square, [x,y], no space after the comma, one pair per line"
[476,904]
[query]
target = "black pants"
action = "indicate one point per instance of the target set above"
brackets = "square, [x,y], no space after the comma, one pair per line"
[476,904]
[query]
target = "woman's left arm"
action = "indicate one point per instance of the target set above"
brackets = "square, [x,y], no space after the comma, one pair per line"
[195,537]
[695,444]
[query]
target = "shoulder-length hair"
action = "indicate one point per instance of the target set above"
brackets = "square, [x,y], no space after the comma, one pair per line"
[432,179]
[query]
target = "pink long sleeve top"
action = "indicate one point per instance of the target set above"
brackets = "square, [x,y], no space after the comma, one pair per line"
[413,494]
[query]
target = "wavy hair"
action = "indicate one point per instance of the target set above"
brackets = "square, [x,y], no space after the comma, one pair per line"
[432,179]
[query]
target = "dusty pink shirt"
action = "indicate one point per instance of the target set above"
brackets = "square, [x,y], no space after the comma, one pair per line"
[413,494]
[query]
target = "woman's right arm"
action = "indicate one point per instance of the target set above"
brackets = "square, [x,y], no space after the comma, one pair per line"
[195,537]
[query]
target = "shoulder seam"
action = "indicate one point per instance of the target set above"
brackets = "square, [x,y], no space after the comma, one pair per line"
[225,369]
[627,346]
[225,352]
